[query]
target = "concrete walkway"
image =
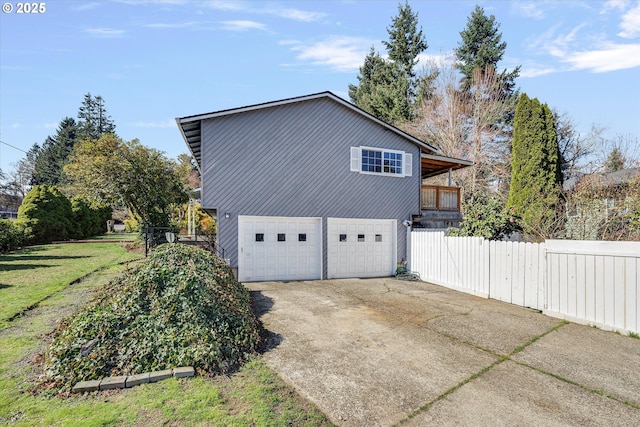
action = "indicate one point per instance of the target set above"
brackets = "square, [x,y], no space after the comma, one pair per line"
[384,352]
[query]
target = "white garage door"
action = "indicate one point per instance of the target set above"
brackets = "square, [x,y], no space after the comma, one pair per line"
[361,247]
[279,248]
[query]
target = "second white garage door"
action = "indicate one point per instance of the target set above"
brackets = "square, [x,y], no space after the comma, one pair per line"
[361,247]
[279,248]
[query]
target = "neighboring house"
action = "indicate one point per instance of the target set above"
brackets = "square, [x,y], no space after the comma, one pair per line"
[9,205]
[603,206]
[310,187]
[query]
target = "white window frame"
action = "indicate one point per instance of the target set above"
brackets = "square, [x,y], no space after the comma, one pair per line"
[356,161]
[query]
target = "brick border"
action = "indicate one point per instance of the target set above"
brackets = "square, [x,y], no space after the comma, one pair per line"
[124,381]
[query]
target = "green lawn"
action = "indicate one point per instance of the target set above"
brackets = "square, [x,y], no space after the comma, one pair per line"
[117,236]
[252,396]
[32,274]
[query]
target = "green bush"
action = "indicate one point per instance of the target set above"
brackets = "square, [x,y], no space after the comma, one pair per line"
[181,307]
[11,237]
[45,215]
[88,220]
[486,216]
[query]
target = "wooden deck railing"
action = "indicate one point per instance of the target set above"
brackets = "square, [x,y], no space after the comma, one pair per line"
[435,197]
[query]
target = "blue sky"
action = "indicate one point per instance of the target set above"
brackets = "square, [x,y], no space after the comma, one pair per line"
[153,61]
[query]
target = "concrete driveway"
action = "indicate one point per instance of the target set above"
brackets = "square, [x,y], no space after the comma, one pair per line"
[385,352]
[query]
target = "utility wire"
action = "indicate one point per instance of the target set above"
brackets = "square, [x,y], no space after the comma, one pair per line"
[13,146]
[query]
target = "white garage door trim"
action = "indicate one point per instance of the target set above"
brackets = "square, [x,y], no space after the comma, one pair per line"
[279,248]
[361,247]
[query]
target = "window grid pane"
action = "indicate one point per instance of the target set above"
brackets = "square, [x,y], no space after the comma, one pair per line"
[381,162]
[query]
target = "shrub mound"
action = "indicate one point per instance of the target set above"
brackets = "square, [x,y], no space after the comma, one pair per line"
[181,307]
[11,237]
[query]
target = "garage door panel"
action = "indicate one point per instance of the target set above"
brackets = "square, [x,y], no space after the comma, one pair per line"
[279,248]
[361,247]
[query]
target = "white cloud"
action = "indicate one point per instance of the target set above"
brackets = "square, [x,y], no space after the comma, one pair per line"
[227,5]
[49,125]
[175,25]
[536,71]
[528,9]
[282,12]
[165,124]
[439,60]
[242,25]
[580,50]
[610,58]
[107,33]
[615,5]
[296,14]
[630,24]
[15,125]
[337,53]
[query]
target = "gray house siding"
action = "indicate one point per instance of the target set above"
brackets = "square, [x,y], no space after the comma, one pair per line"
[293,160]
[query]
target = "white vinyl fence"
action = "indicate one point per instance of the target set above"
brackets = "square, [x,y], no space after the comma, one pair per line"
[591,282]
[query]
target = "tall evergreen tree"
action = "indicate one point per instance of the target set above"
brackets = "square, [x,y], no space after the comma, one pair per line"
[536,168]
[481,48]
[405,43]
[387,88]
[54,154]
[381,89]
[93,120]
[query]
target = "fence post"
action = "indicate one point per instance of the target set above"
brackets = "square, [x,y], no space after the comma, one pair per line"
[545,277]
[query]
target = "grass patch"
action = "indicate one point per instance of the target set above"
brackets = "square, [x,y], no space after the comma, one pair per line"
[118,237]
[32,274]
[253,395]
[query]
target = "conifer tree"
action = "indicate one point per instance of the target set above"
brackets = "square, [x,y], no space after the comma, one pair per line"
[381,90]
[54,154]
[405,43]
[481,48]
[93,120]
[536,168]
[387,88]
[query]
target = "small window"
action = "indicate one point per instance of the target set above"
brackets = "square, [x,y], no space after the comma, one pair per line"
[378,237]
[360,237]
[380,161]
[281,237]
[302,237]
[259,237]
[343,237]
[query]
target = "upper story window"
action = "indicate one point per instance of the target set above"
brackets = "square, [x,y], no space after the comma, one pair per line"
[370,160]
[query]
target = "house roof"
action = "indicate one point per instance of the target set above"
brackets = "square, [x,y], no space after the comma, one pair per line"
[432,161]
[609,179]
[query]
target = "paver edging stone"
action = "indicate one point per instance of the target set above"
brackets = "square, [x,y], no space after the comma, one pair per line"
[82,386]
[113,382]
[134,380]
[124,381]
[160,375]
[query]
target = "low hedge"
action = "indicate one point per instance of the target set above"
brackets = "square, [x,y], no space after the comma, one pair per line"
[181,307]
[11,237]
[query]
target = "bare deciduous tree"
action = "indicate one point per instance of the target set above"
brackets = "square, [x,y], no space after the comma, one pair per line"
[468,124]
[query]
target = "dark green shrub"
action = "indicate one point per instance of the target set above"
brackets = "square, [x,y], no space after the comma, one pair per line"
[81,218]
[45,215]
[88,220]
[181,307]
[486,216]
[11,237]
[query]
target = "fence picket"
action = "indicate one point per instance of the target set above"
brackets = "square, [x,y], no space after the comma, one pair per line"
[588,282]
